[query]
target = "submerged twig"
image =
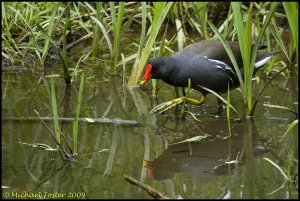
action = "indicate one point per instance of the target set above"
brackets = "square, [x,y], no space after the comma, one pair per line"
[69,156]
[79,40]
[151,191]
[64,137]
[89,120]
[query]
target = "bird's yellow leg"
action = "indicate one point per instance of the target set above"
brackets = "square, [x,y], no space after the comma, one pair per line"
[173,103]
[196,102]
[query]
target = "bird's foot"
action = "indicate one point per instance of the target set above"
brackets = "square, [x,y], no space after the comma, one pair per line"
[159,109]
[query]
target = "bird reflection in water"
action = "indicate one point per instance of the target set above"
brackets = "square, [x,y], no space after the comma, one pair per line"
[209,157]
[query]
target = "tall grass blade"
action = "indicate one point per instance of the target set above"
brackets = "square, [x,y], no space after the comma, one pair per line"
[180,35]
[202,15]
[221,98]
[228,110]
[49,32]
[8,27]
[75,122]
[280,107]
[266,23]
[65,35]
[161,10]
[96,30]
[229,52]
[276,166]
[291,126]
[117,25]
[67,76]
[54,111]
[105,34]
[187,91]
[244,38]
[143,33]
[291,10]
[278,39]
[122,32]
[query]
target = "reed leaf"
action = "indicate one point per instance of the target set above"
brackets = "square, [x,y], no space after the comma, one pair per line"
[105,34]
[54,111]
[228,110]
[117,25]
[75,122]
[291,10]
[67,76]
[49,32]
[280,107]
[229,52]
[276,166]
[180,32]
[275,32]
[143,33]
[266,23]
[96,30]
[202,15]
[161,10]
[193,139]
[221,98]
[290,127]
[187,91]
[244,38]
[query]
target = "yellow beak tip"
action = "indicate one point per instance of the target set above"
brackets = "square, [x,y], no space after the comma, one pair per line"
[143,82]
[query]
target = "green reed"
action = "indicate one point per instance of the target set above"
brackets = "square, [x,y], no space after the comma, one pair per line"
[116,20]
[62,54]
[50,29]
[187,91]
[54,111]
[75,122]
[244,30]
[202,16]
[293,145]
[161,10]
[96,31]
[112,20]
[277,166]
[291,10]
[181,38]
[24,16]
[66,33]
[228,110]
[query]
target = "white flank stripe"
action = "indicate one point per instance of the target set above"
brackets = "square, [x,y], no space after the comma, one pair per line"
[262,62]
[217,61]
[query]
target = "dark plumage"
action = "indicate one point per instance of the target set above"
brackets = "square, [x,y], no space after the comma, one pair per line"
[206,63]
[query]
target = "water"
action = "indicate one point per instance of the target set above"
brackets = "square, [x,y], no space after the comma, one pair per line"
[147,151]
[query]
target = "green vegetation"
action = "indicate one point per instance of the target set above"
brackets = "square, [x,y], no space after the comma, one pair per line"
[36,33]
[54,111]
[35,27]
[75,122]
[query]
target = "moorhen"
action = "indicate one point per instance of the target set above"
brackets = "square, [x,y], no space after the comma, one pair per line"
[206,63]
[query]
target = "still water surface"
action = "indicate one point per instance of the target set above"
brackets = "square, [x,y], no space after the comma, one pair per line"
[146,151]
